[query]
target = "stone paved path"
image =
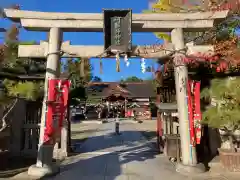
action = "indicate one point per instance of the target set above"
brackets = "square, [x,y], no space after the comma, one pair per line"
[128,156]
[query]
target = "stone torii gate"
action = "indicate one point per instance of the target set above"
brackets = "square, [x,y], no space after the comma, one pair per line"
[57,23]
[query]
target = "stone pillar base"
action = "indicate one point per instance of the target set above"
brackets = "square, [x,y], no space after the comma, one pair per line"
[45,165]
[40,172]
[188,170]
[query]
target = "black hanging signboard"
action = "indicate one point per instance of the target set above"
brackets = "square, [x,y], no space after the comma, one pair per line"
[117,29]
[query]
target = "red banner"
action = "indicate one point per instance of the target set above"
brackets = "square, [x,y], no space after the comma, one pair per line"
[57,101]
[194,111]
[197,112]
[190,113]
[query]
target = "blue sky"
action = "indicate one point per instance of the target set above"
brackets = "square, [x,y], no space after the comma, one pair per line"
[87,6]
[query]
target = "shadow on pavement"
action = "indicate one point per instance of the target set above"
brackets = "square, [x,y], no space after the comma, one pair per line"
[11,166]
[110,142]
[106,166]
[108,156]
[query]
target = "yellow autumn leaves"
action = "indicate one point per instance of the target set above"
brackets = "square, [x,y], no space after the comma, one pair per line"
[165,36]
[161,6]
[172,6]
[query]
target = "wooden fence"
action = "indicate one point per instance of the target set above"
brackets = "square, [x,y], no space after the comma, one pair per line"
[25,128]
[167,94]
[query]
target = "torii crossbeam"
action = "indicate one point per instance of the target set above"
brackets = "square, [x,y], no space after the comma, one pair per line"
[93,22]
[155,51]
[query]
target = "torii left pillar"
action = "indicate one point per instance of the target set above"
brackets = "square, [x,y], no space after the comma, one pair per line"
[45,165]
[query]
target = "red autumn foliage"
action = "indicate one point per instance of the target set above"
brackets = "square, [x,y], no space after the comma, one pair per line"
[233,5]
[227,52]
[11,35]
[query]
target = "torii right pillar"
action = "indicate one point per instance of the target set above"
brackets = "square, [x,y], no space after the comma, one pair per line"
[189,156]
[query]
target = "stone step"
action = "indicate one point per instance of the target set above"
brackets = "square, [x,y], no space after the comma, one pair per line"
[216,166]
[216,169]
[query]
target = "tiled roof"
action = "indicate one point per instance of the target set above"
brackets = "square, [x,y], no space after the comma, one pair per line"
[138,89]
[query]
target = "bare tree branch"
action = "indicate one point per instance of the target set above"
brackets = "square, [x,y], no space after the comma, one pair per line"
[9,110]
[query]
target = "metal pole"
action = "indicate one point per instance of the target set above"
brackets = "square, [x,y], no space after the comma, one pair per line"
[45,152]
[181,77]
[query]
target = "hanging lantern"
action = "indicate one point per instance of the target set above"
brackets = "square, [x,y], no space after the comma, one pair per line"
[101,66]
[118,62]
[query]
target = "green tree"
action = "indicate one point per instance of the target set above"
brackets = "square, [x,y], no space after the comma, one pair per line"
[96,79]
[132,79]
[73,70]
[79,71]
[223,112]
